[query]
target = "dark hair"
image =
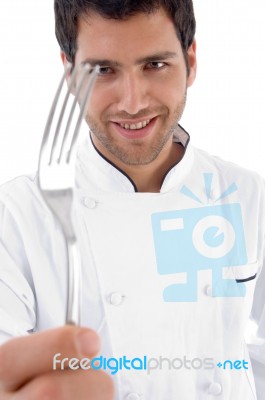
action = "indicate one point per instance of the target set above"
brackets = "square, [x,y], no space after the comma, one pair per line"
[68,12]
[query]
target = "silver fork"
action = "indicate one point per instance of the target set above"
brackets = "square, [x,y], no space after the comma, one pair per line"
[56,173]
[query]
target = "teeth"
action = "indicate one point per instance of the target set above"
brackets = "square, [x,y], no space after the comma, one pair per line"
[140,125]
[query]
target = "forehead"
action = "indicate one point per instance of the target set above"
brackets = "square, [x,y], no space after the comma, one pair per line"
[137,36]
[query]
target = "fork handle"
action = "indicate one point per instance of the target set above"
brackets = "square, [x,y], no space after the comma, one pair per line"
[73,311]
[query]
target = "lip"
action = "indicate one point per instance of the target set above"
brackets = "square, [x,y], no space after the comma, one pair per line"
[134,133]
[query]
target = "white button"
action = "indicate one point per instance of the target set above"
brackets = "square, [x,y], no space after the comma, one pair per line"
[208,290]
[133,396]
[116,298]
[215,389]
[89,203]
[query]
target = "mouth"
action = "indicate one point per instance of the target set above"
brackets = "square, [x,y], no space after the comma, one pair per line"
[135,130]
[135,126]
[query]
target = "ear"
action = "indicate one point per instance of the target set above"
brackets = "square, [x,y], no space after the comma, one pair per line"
[68,76]
[192,59]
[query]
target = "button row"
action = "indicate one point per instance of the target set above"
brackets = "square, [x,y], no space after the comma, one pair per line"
[117,298]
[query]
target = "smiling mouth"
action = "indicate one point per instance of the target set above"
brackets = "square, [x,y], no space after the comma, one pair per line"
[138,130]
[139,125]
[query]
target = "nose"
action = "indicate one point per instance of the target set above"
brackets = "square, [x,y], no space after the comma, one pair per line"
[133,94]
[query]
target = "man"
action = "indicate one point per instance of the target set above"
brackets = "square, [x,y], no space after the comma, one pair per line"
[171,238]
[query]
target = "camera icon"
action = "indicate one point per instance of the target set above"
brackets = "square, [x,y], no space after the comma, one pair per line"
[191,240]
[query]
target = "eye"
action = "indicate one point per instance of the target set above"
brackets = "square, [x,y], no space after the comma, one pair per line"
[155,65]
[104,70]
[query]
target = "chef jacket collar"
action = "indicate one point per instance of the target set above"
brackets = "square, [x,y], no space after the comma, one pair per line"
[103,175]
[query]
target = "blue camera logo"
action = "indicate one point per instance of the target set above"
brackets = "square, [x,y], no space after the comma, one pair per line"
[190,240]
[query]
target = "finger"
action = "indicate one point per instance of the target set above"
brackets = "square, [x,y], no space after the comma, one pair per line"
[68,385]
[24,358]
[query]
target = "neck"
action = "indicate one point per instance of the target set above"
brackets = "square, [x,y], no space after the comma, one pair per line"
[149,177]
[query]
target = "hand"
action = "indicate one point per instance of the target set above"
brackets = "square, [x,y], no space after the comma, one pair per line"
[26,367]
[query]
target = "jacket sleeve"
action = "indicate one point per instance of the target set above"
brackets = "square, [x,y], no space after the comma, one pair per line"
[256,345]
[17,301]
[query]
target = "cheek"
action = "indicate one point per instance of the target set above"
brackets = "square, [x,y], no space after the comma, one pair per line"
[99,102]
[172,93]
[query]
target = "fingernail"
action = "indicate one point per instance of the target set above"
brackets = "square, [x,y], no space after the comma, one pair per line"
[87,343]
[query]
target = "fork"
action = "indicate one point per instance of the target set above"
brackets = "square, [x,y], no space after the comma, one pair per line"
[56,172]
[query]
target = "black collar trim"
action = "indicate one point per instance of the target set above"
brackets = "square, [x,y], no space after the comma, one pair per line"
[183,142]
[115,166]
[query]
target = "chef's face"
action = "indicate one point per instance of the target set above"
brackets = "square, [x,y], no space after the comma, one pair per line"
[140,93]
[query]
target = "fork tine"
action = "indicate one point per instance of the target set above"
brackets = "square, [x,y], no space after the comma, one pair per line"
[86,69]
[60,119]
[47,129]
[83,106]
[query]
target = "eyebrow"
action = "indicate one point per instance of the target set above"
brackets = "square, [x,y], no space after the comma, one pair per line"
[111,63]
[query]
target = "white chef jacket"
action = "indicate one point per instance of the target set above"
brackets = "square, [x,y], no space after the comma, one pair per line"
[172,275]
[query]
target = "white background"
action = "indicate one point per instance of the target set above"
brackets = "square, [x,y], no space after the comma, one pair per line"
[226,106]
